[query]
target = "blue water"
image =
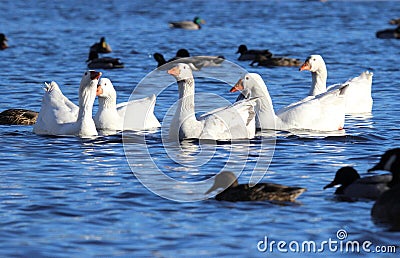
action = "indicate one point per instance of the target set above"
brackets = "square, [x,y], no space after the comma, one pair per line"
[71,197]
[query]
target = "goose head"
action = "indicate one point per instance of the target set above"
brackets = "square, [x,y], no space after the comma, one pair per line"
[223,180]
[313,63]
[250,82]
[344,176]
[241,49]
[88,86]
[181,72]
[105,89]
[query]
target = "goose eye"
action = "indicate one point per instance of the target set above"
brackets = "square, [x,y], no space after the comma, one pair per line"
[247,78]
[314,59]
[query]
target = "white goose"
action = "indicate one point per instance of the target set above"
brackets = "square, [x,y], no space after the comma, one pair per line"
[358,94]
[324,112]
[229,123]
[111,116]
[59,116]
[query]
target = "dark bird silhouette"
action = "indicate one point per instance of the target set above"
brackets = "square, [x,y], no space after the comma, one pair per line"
[233,191]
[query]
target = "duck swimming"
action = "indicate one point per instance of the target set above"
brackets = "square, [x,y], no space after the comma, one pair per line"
[389,33]
[3,41]
[386,209]
[195,62]
[353,187]
[96,62]
[233,191]
[101,47]
[250,55]
[262,60]
[18,117]
[188,25]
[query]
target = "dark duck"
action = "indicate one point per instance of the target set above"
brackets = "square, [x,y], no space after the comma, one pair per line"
[18,117]
[386,210]
[353,187]
[250,55]
[3,41]
[195,62]
[96,62]
[390,33]
[233,191]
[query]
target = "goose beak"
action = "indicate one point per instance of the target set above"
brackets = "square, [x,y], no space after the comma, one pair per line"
[175,71]
[238,86]
[95,75]
[99,90]
[305,67]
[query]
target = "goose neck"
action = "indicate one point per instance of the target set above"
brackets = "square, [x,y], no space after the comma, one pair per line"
[318,84]
[186,96]
[108,102]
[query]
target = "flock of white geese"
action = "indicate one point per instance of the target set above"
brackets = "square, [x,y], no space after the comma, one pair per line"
[324,108]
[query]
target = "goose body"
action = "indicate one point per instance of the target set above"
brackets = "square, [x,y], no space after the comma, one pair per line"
[111,117]
[353,187]
[387,208]
[358,95]
[324,112]
[233,191]
[59,116]
[228,123]
[252,54]
[188,25]
[183,56]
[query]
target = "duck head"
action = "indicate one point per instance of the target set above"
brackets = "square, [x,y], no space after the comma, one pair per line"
[198,20]
[241,49]
[182,53]
[344,176]
[390,161]
[313,63]
[223,180]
